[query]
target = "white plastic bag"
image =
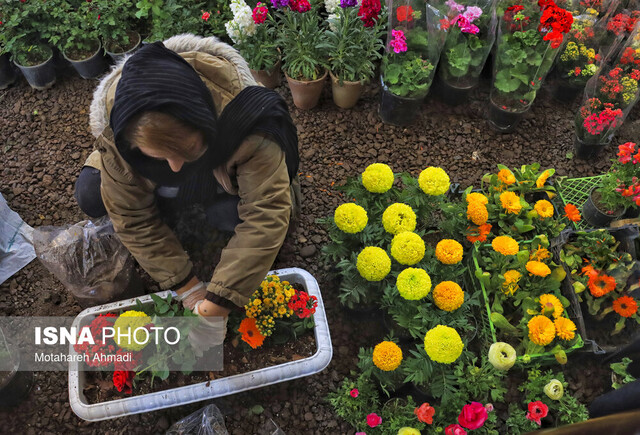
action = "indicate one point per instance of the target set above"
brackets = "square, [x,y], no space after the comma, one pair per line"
[205,421]
[16,246]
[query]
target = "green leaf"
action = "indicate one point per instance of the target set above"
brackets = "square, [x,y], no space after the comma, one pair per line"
[257,409]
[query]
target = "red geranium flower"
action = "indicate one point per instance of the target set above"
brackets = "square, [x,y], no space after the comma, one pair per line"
[369,12]
[404,13]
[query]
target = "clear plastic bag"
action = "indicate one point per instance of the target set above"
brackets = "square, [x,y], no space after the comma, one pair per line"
[205,421]
[90,260]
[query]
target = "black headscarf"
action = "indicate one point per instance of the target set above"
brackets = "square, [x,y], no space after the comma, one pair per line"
[158,79]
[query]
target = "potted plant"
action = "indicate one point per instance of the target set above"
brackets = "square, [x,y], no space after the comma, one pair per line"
[470,27]
[620,24]
[116,27]
[14,383]
[530,35]
[303,43]
[254,35]
[76,35]
[608,98]
[352,48]
[414,42]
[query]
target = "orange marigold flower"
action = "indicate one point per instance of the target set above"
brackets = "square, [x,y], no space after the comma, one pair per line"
[477,197]
[510,202]
[565,328]
[506,176]
[625,305]
[540,254]
[601,284]
[448,251]
[551,303]
[477,213]
[478,234]
[542,179]
[250,333]
[505,245]
[538,268]
[544,208]
[541,330]
[572,213]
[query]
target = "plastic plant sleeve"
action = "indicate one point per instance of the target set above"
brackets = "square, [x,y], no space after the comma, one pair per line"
[414,41]
[610,94]
[620,23]
[466,48]
[205,421]
[16,245]
[522,57]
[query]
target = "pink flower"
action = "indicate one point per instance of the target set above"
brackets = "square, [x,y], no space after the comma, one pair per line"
[373,419]
[489,407]
[354,393]
[472,13]
[473,416]
[399,42]
[454,6]
[361,433]
[205,16]
[455,429]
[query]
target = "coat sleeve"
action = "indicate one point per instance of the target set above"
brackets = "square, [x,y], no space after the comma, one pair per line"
[131,205]
[264,210]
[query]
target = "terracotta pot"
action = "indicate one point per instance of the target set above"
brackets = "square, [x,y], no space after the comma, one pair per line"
[306,94]
[269,78]
[347,94]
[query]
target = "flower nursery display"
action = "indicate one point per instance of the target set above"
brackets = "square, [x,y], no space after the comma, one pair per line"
[116,27]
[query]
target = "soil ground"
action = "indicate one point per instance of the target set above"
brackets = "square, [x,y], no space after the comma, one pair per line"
[45,138]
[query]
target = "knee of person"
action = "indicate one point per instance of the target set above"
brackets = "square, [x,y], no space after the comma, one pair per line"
[87,193]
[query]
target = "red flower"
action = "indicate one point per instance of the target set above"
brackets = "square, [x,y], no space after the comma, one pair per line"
[373,419]
[354,393]
[299,5]
[404,13]
[425,413]
[206,15]
[369,12]
[134,359]
[123,381]
[625,152]
[537,411]
[473,416]
[302,304]
[260,13]
[455,429]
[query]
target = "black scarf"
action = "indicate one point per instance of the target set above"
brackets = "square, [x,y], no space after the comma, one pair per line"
[158,79]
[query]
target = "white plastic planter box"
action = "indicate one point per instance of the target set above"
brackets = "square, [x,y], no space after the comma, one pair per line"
[204,390]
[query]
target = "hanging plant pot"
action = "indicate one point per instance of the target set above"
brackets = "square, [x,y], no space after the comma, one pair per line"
[503,120]
[587,150]
[90,67]
[41,76]
[594,215]
[117,51]
[397,110]
[347,94]
[270,78]
[306,94]
[7,72]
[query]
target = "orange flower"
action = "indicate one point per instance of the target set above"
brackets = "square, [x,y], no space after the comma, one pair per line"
[565,328]
[478,234]
[250,333]
[541,330]
[572,213]
[510,202]
[506,176]
[600,285]
[589,271]
[538,268]
[542,179]
[625,305]
[425,413]
[540,254]
[477,213]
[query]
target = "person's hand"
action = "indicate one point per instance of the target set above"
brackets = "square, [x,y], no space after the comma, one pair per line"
[194,291]
[210,331]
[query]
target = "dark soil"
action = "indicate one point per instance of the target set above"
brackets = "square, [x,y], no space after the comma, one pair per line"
[601,331]
[45,138]
[119,47]
[78,55]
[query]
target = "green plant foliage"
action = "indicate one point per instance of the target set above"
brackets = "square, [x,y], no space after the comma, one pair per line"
[620,374]
[388,381]
[355,409]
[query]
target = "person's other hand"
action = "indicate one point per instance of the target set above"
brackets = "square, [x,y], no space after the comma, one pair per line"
[210,331]
[193,292]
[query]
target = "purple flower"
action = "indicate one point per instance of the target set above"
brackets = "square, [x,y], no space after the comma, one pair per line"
[472,13]
[280,3]
[454,6]
[348,3]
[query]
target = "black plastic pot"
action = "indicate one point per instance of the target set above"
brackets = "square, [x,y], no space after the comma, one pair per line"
[14,387]
[41,76]
[504,121]
[420,395]
[397,110]
[585,150]
[566,92]
[596,217]
[92,67]
[7,72]
[453,95]
[117,56]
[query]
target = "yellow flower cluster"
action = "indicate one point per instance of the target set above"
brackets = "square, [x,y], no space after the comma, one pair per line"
[505,245]
[571,52]
[538,268]
[350,218]
[510,202]
[270,302]
[443,344]
[373,263]
[448,296]
[407,248]
[540,254]
[629,88]
[413,284]
[398,217]
[511,280]
[377,178]
[434,181]
[506,176]
[477,213]
[449,251]
[544,208]
[551,304]
[124,328]
[387,356]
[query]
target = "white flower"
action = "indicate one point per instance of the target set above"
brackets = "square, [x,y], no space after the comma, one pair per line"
[331,6]
[242,24]
[333,19]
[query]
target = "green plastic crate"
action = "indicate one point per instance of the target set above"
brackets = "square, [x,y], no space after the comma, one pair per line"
[576,191]
[546,357]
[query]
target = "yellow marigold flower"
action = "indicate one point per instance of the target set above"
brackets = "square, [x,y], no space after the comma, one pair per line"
[443,344]
[350,218]
[477,197]
[408,431]
[551,304]
[510,202]
[407,248]
[544,208]
[511,280]
[542,179]
[538,268]
[448,296]
[541,330]
[434,181]
[373,263]
[565,328]
[387,356]
[130,333]
[506,176]
[540,254]
[449,251]
[477,213]
[377,178]
[505,245]
[413,284]
[398,217]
